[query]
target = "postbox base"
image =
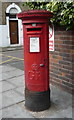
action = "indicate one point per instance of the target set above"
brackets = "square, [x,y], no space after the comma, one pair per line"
[37,101]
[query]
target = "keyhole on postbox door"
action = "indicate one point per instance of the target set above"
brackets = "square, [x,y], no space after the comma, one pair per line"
[42,65]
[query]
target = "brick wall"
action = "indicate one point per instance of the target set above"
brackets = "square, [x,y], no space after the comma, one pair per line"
[61,60]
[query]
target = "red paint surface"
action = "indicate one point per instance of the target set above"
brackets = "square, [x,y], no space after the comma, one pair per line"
[36,75]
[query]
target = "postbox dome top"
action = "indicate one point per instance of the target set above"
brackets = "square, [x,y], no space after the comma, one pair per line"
[35,13]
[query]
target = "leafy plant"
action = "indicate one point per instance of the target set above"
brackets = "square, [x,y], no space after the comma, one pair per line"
[63,12]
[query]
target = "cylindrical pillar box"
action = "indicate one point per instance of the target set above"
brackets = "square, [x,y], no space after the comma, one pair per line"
[36,58]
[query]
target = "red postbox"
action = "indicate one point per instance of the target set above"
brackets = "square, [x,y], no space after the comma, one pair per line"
[36,58]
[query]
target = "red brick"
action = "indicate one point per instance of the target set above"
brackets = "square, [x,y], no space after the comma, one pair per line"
[61,60]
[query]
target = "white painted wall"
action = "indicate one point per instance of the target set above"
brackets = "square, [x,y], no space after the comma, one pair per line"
[20,32]
[3,36]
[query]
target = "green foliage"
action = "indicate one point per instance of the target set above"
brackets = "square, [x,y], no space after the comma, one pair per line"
[36,5]
[63,12]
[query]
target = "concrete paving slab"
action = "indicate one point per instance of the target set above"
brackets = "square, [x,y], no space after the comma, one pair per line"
[17,81]
[20,90]
[0,87]
[4,73]
[0,100]
[64,113]
[7,68]
[3,76]
[72,112]
[15,73]
[52,112]
[11,97]
[0,69]
[43,114]
[60,97]
[6,86]
[0,114]
[0,76]
[11,74]
[18,64]
[67,113]
[16,111]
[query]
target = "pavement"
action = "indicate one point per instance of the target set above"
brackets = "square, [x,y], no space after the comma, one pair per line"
[11,48]
[12,93]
